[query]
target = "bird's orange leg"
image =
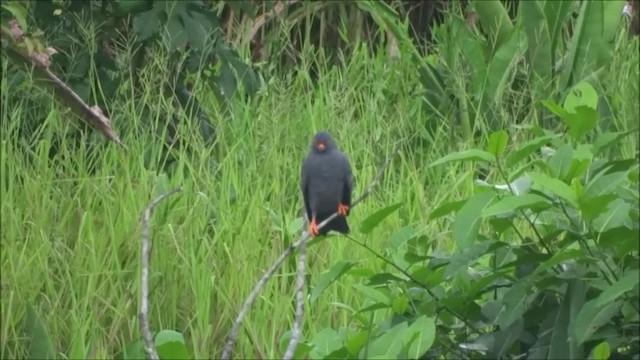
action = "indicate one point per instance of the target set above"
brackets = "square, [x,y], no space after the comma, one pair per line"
[343,210]
[313,227]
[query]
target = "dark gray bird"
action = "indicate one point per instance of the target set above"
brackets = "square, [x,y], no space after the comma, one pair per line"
[326,184]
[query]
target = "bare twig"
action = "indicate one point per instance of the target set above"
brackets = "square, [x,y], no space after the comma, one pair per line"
[143,315]
[233,334]
[297,324]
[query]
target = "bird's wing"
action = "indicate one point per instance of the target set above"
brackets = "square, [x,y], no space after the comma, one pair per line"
[347,189]
[304,186]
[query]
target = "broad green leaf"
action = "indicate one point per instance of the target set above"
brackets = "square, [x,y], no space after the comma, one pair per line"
[583,94]
[498,143]
[329,278]
[594,206]
[40,346]
[586,49]
[170,345]
[425,329]
[559,340]
[324,343]
[617,215]
[400,237]
[605,183]
[357,341]
[516,301]
[505,338]
[582,157]
[560,162]
[502,66]
[374,294]
[556,13]
[555,186]
[468,219]
[446,208]
[383,278]
[539,43]
[389,344]
[133,350]
[591,317]
[376,218]
[555,108]
[466,255]
[529,147]
[466,155]
[562,256]
[495,20]
[602,351]
[609,138]
[511,203]
[400,305]
[615,291]
[581,122]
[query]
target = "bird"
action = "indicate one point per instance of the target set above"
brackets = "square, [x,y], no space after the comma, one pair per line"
[326,184]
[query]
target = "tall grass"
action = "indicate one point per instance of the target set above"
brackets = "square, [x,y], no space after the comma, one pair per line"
[70,224]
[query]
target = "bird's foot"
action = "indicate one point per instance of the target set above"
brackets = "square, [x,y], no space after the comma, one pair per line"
[313,228]
[343,210]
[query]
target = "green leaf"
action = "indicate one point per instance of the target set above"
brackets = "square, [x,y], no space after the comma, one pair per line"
[498,143]
[560,162]
[389,344]
[170,345]
[592,207]
[383,278]
[376,218]
[605,183]
[583,94]
[374,294]
[466,155]
[517,301]
[617,215]
[602,351]
[555,186]
[468,220]
[40,346]
[446,208]
[19,13]
[591,317]
[529,147]
[324,343]
[615,291]
[329,278]
[557,258]
[400,237]
[466,255]
[609,138]
[425,329]
[581,122]
[512,203]
[555,108]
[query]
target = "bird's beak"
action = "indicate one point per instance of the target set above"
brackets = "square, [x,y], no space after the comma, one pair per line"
[320,146]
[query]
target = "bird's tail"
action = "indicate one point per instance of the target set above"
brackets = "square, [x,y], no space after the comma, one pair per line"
[338,224]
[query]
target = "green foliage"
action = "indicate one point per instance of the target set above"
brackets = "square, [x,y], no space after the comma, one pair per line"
[544,266]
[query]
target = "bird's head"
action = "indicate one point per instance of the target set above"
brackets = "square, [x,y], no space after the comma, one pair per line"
[322,143]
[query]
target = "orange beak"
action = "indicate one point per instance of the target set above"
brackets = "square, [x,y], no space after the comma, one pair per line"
[320,146]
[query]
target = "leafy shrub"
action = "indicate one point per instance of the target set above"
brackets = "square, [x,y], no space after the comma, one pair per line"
[546,264]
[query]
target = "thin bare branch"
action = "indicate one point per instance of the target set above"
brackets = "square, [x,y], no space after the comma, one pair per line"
[143,315]
[233,334]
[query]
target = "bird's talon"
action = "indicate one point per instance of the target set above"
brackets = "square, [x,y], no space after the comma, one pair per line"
[343,210]
[313,228]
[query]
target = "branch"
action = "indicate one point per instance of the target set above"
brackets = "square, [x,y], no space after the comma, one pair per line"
[297,324]
[143,315]
[233,335]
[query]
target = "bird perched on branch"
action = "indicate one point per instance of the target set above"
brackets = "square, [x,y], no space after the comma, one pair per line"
[326,184]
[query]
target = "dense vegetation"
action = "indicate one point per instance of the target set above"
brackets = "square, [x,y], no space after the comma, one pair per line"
[506,225]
